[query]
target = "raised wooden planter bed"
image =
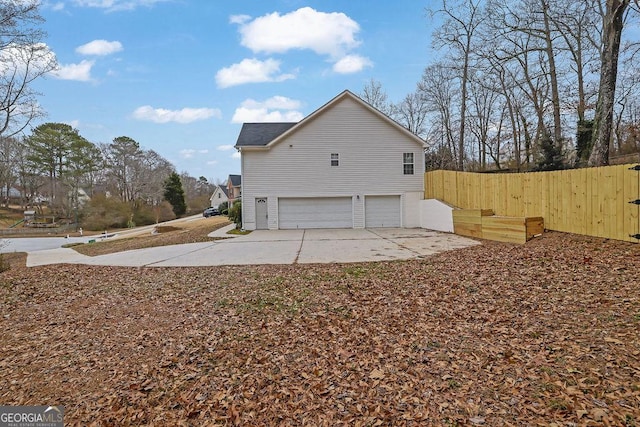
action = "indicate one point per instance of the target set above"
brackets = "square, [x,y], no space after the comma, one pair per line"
[481,223]
[468,222]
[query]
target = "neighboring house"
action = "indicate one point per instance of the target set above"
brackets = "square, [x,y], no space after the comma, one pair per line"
[346,165]
[234,188]
[219,196]
[14,193]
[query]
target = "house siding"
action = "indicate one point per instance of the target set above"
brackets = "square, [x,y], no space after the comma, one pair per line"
[218,197]
[370,163]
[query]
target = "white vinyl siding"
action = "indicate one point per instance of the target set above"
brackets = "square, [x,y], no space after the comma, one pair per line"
[317,212]
[382,211]
[370,151]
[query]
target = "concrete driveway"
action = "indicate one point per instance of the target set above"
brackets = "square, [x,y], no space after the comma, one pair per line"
[275,247]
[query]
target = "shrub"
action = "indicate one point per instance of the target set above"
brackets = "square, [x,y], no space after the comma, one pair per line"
[223,208]
[103,212]
[198,204]
[144,215]
[235,213]
[164,212]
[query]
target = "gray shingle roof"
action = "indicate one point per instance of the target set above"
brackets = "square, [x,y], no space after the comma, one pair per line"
[236,180]
[260,134]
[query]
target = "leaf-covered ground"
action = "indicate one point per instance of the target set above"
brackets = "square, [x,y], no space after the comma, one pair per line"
[545,333]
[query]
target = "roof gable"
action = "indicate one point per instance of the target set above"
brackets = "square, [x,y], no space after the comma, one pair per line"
[265,135]
[220,189]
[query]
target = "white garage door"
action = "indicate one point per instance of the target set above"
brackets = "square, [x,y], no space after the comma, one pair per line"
[316,212]
[381,211]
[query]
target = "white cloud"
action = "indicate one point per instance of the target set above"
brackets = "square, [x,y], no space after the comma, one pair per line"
[351,64]
[275,109]
[187,153]
[99,47]
[251,71]
[212,162]
[275,103]
[186,115]
[331,34]
[225,147]
[26,59]
[236,155]
[57,6]
[117,5]
[239,19]
[79,72]
[247,115]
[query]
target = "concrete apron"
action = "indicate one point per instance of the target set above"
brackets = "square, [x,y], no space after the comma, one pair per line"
[276,247]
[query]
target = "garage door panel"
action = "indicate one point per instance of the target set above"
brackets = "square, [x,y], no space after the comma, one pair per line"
[382,211]
[316,212]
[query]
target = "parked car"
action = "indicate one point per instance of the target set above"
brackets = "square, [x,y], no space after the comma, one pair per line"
[210,212]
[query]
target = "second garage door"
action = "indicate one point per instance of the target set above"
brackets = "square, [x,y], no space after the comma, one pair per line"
[315,212]
[382,211]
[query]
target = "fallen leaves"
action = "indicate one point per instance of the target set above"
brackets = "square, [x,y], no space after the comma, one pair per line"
[492,335]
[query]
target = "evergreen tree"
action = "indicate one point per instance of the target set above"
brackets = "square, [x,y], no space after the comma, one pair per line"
[174,194]
[551,153]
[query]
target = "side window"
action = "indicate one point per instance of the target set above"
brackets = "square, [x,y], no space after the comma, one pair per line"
[335,159]
[407,163]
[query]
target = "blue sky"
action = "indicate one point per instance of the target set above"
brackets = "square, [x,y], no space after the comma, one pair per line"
[180,76]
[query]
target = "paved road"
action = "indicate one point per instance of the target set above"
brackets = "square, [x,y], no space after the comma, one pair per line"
[34,244]
[275,247]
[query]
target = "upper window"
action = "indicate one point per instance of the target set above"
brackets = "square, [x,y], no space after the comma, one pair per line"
[407,163]
[334,159]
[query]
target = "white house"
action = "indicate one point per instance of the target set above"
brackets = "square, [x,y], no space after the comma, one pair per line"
[346,165]
[219,196]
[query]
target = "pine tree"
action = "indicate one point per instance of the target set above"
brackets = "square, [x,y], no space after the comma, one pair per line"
[174,194]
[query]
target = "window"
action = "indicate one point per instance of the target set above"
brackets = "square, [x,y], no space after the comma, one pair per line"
[334,159]
[407,163]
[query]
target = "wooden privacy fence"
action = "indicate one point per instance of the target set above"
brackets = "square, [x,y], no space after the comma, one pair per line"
[590,201]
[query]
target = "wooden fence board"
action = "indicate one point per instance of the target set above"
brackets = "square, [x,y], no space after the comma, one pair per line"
[590,201]
[631,212]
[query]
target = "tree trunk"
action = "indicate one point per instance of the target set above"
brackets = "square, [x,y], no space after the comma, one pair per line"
[463,104]
[603,121]
[553,76]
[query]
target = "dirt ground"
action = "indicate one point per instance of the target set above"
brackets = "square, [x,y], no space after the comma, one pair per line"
[539,334]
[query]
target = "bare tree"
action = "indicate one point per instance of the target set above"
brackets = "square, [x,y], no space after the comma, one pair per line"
[374,95]
[412,114]
[577,24]
[612,25]
[439,91]
[8,176]
[123,156]
[457,33]
[23,59]
[528,36]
